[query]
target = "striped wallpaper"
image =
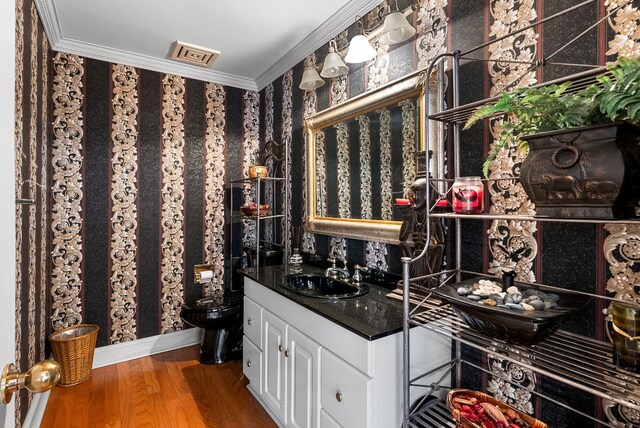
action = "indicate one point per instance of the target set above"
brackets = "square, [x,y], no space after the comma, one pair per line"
[136,162]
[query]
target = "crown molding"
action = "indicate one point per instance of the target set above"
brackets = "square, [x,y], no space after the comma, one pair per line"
[338,22]
[154,64]
[341,20]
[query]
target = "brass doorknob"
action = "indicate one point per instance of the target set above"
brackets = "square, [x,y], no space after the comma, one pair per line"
[40,378]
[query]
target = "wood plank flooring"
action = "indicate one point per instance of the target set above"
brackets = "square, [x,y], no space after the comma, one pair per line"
[171,389]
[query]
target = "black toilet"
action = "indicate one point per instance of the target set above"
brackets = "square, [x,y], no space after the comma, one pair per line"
[222,324]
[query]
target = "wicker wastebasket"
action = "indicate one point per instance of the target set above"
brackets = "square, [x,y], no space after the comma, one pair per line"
[73,348]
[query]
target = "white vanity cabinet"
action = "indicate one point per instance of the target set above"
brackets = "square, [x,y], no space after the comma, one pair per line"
[316,373]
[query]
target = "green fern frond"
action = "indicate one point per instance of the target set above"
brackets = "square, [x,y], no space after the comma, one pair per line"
[502,106]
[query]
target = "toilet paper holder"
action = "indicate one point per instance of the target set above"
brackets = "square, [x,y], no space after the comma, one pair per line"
[202,274]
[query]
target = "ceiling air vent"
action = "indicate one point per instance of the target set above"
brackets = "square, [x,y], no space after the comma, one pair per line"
[192,54]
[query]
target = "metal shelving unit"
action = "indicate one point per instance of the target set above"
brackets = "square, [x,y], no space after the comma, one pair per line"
[279,155]
[580,362]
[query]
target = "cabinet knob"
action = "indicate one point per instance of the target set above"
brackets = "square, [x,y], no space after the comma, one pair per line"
[339,397]
[249,363]
[249,321]
[286,353]
[280,348]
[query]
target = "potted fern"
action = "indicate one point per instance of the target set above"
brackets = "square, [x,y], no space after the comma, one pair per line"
[583,146]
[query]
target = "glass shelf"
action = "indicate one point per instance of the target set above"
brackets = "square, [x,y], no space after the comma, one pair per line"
[252,179]
[255,217]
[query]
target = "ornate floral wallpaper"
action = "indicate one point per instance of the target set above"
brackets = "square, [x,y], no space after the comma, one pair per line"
[33,87]
[137,163]
[139,167]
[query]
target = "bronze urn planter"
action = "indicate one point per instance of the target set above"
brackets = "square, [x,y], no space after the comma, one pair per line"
[588,172]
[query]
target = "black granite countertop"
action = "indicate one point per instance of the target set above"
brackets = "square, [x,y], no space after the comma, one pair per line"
[371,316]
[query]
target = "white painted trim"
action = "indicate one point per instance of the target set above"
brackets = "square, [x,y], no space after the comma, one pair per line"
[337,22]
[117,56]
[36,411]
[8,195]
[119,352]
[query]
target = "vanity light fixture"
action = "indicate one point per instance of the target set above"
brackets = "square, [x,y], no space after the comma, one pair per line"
[396,28]
[310,78]
[360,50]
[333,64]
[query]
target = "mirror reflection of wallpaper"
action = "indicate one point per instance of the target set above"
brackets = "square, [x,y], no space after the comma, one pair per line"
[365,167]
[363,163]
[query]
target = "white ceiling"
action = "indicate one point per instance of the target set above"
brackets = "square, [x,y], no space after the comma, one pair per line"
[258,39]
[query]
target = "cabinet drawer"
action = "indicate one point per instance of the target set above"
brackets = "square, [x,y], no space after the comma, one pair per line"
[251,363]
[253,321]
[344,391]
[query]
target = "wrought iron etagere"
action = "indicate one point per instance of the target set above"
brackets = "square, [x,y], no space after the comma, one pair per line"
[580,362]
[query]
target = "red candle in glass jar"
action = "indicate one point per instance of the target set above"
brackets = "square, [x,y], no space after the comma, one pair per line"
[468,195]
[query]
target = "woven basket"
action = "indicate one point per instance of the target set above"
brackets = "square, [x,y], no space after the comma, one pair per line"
[73,348]
[462,422]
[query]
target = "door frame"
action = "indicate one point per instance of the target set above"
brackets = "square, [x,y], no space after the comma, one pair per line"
[7,197]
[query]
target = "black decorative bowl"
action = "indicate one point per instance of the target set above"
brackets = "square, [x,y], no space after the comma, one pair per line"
[521,327]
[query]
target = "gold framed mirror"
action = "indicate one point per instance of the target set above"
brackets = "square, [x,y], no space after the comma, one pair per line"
[361,158]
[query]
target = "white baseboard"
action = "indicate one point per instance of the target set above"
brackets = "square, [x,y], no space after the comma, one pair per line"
[119,352]
[36,410]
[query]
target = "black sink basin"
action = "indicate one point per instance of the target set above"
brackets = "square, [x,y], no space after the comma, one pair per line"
[320,286]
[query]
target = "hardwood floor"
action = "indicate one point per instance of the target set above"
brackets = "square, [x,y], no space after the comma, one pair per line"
[164,390]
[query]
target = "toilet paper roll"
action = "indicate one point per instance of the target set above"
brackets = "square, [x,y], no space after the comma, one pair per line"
[205,276]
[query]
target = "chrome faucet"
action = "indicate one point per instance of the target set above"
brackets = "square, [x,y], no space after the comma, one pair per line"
[336,272]
[357,274]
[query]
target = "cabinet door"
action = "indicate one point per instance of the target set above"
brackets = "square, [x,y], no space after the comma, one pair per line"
[303,357]
[274,369]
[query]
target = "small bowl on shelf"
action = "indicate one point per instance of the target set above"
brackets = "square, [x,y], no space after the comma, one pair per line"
[513,326]
[464,402]
[252,210]
[257,171]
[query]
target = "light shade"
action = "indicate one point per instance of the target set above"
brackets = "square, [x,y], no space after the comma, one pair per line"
[310,79]
[360,50]
[333,65]
[396,29]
